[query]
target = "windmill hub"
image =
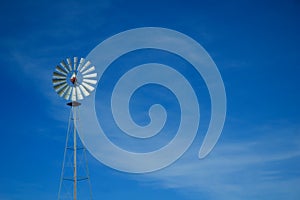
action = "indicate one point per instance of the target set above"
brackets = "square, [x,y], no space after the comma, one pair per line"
[73,79]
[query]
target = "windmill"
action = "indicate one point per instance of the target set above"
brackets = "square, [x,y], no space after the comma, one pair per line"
[74,80]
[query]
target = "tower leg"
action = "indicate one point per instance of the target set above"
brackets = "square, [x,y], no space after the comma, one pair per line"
[75,153]
[74,156]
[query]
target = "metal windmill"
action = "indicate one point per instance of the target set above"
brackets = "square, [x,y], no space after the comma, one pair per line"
[73,81]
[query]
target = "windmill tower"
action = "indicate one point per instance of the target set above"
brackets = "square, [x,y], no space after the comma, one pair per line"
[73,81]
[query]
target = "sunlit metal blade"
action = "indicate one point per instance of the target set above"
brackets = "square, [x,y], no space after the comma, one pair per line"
[58,78]
[65,66]
[58,81]
[63,90]
[91,81]
[73,96]
[80,63]
[75,63]
[84,91]
[85,66]
[61,70]
[69,61]
[88,87]
[89,70]
[94,75]
[68,93]
[58,87]
[78,93]
[58,75]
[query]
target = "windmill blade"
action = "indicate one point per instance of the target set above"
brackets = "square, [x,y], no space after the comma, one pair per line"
[89,70]
[63,90]
[58,87]
[84,91]
[65,66]
[78,93]
[69,63]
[75,63]
[94,75]
[68,93]
[58,81]
[91,81]
[57,75]
[58,78]
[73,96]
[80,63]
[88,87]
[85,66]
[61,70]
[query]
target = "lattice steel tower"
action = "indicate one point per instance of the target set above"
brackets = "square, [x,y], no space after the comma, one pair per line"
[73,81]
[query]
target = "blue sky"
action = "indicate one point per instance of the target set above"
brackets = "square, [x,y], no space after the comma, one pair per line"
[255,45]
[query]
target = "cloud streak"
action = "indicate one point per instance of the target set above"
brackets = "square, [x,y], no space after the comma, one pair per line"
[238,170]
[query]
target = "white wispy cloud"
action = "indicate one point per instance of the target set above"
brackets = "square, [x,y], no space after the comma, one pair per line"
[252,169]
